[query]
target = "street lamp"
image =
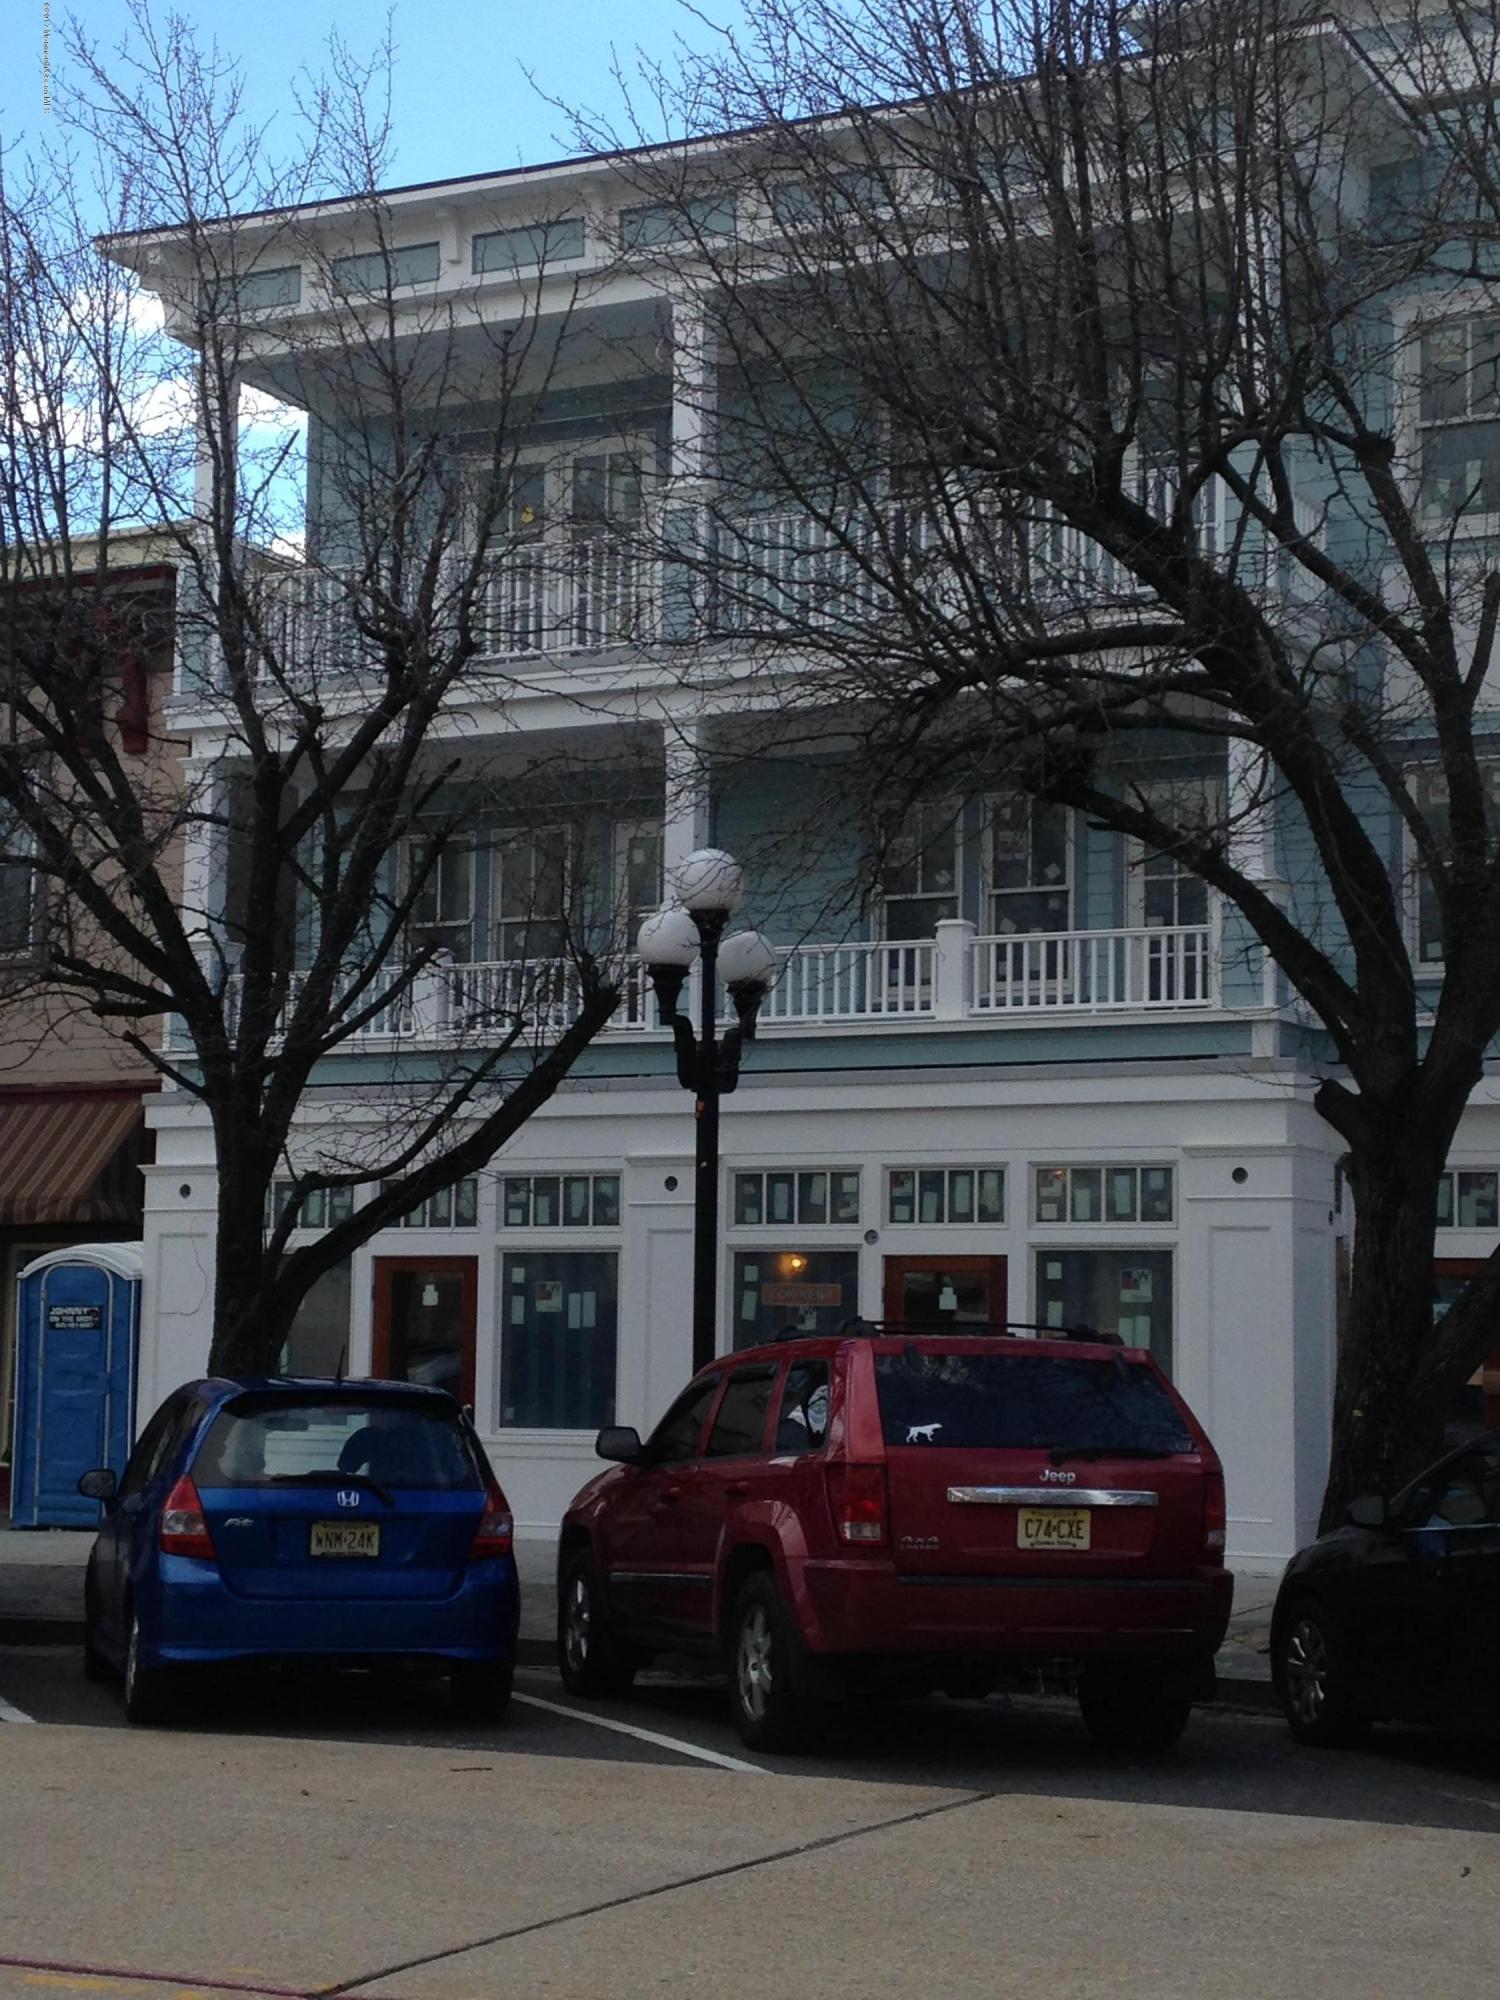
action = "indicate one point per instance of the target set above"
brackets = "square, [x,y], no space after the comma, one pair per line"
[707,885]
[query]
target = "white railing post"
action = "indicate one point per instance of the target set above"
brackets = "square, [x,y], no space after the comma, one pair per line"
[952,973]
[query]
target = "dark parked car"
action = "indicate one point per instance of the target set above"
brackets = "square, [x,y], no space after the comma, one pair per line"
[353,1523]
[1396,1615]
[908,1511]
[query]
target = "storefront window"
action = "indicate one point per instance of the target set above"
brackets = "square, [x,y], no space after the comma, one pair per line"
[318,1343]
[558,1339]
[775,1291]
[1128,1292]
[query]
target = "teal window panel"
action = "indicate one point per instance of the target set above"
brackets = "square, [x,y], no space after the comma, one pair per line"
[374,270]
[671,222]
[532,245]
[262,291]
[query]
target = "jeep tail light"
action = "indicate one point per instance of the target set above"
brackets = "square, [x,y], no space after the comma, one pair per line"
[1215,1514]
[857,1496]
[495,1535]
[184,1532]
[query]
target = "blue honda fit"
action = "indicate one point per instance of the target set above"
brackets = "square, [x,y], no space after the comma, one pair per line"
[353,1523]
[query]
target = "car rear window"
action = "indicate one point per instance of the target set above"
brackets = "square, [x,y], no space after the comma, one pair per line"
[271,1441]
[983,1402]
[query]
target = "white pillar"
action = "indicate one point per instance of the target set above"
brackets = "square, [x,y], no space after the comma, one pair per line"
[1252,823]
[205,849]
[694,392]
[685,806]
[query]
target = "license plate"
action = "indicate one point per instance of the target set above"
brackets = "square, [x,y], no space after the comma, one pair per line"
[345,1538]
[1053,1527]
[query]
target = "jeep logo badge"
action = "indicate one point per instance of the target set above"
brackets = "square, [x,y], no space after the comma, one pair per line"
[1054,1476]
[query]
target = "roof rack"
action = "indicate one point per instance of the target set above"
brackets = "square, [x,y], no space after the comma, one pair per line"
[1007,1329]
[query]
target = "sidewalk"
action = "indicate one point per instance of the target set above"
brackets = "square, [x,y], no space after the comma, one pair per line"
[41,1603]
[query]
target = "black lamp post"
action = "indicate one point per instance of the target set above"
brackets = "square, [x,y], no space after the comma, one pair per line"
[707,885]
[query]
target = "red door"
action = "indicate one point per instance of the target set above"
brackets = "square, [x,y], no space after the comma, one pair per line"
[424,1322]
[946,1291]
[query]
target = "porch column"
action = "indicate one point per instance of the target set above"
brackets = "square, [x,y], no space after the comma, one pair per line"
[1251,780]
[695,392]
[685,804]
[204,861]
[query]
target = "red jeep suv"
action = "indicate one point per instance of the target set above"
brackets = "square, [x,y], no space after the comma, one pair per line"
[902,1511]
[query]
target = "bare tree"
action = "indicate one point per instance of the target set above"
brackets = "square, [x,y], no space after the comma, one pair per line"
[341,531]
[1078,342]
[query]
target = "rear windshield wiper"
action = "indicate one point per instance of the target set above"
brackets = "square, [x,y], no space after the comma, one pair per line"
[335,1479]
[1061,1451]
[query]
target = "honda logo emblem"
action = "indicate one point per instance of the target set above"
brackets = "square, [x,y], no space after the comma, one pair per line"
[348,1497]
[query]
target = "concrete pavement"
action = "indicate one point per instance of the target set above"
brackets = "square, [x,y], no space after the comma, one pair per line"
[195,1860]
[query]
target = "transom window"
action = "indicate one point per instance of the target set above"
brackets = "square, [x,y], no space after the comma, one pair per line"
[945,1194]
[1104,1194]
[808,1195]
[455,1207]
[1469,1199]
[1028,865]
[321,1207]
[1460,417]
[560,1201]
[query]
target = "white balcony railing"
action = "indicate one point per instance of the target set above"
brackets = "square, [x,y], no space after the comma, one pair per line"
[1096,971]
[580,593]
[953,977]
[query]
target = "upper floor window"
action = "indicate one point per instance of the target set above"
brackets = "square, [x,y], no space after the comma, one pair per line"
[1027,865]
[18,899]
[1431,789]
[676,221]
[263,291]
[528,893]
[1162,892]
[919,882]
[376,270]
[442,916]
[839,196]
[560,1201]
[1460,417]
[529,247]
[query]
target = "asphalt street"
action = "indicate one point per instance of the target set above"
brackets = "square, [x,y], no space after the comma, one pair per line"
[1245,1762]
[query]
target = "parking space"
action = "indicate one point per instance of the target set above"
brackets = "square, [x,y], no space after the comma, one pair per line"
[1243,1762]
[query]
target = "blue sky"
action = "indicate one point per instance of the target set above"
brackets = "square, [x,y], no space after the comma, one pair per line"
[462,100]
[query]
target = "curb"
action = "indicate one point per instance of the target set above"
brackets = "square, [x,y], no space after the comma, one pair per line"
[41,1631]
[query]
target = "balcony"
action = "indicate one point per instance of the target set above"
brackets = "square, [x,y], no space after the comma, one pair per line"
[957,977]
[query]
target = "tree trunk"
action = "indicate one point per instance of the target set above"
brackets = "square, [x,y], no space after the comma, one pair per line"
[1388,1337]
[250,1327]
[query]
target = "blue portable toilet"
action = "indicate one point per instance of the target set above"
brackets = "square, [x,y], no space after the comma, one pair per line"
[78,1321]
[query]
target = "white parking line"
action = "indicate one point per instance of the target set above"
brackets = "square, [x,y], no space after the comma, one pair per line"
[9,1713]
[643,1735]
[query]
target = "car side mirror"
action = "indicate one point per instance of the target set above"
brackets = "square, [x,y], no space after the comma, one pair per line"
[620,1442]
[1368,1511]
[101,1484]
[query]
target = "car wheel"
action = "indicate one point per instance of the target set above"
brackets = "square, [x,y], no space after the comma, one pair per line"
[1126,1708]
[480,1691]
[95,1666]
[767,1713]
[146,1688]
[1313,1679]
[591,1657]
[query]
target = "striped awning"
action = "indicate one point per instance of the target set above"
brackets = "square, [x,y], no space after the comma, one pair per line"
[71,1156]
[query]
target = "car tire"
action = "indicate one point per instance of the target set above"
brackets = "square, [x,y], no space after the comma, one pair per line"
[592,1659]
[1131,1709]
[760,1652]
[147,1689]
[480,1691]
[1310,1666]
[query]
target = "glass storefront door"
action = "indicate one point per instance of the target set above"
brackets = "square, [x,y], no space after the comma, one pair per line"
[946,1291]
[424,1322]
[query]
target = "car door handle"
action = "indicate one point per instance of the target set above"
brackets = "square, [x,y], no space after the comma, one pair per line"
[736,1489]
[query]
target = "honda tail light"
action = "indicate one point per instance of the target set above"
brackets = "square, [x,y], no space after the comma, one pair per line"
[1215,1515]
[184,1532]
[857,1496]
[496,1533]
